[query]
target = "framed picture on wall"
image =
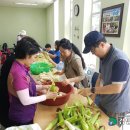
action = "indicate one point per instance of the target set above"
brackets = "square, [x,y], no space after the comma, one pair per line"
[111,20]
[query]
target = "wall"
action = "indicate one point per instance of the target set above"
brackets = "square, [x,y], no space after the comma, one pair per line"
[118,41]
[126,45]
[77,24]
[89,58]
[58,21]
[50,24]
[83,24]
[51,16]
[67,19]
[61,19]
[13,20]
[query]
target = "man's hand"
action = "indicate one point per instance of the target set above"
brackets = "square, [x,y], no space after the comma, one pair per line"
[93,96]
[85,91]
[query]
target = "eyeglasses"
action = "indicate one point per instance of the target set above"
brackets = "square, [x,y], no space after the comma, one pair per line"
[93,49]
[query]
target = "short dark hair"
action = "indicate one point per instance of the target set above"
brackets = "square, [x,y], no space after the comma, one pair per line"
[26,46]
[48,45]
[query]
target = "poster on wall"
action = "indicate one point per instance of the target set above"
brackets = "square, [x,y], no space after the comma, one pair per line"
[111,20]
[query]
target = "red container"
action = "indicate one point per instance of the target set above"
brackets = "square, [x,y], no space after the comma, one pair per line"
[68,89]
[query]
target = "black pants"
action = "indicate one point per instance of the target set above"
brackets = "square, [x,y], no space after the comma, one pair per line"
[13,123]
[4,117]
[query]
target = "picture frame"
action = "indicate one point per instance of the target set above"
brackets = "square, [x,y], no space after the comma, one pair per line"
[111,20]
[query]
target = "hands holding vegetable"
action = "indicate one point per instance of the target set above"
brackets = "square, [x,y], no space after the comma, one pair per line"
[51,95]
[42,88]
[84,91]
[58,73]
[51,91]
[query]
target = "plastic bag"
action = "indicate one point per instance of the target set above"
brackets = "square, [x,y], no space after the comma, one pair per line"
[39,67]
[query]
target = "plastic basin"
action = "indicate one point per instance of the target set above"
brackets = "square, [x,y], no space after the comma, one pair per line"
[68,89]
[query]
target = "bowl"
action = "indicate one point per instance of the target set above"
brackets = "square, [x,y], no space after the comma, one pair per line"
[68,89]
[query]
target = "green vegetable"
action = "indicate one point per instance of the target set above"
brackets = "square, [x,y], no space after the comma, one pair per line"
[52,124]
[97,124]
[90,101]
[77,117]
[70,126]
[60,118]
[102,128]
[54,88]
[84,125]
[72,119]
[94,118]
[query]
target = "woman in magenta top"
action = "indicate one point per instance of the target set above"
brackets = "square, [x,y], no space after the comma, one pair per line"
[21,87]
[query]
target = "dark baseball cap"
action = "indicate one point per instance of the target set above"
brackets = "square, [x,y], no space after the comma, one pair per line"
[91,39]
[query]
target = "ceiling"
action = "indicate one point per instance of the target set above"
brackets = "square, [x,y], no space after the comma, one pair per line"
[26,3]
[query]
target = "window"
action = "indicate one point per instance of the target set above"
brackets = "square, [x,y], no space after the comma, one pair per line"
[96,7]
[56,22]
[95,25]
[95,22]
[96,13]
[71,17]
[95,0]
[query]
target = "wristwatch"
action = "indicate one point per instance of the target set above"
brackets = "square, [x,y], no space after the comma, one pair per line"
[93,90]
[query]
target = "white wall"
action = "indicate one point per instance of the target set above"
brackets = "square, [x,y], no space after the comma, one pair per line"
[77,24]
[14,19]
[126,46]
[67,19]
[61,19]
[118,41]
[64,19]
[58,21]
[50,24]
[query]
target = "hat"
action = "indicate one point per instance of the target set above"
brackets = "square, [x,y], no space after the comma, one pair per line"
[91,39]
[23,33]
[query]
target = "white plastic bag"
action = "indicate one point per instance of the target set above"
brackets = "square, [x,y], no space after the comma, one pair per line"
[25,127]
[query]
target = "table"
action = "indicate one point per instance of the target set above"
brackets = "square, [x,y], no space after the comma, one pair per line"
[45,114]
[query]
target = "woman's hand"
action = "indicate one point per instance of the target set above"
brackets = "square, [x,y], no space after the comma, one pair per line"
[46,86]
[38,83]
[44,91]
[51,95]
[58,73]
[66,82]
[41,87]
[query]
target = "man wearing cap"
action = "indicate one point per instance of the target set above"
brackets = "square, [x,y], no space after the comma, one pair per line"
[114,74]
